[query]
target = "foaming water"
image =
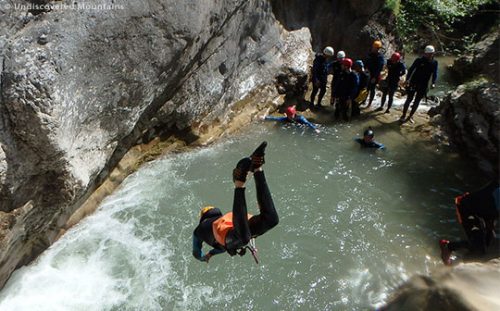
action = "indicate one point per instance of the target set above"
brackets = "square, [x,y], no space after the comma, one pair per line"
[353,225]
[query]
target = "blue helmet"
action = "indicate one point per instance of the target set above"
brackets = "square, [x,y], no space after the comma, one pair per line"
[359,63]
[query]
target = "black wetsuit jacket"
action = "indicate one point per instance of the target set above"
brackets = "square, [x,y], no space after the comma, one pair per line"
[320,68]
[421,71]
[394,73]
[347,85]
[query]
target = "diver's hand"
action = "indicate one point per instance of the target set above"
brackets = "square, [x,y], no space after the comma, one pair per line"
[207,257]
[317,131]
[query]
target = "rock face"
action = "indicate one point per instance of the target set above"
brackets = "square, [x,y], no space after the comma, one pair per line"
[482,61]
[471,116]
[345,25]
[466,287]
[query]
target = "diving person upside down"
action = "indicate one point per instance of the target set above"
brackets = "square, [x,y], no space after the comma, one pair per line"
[233,231]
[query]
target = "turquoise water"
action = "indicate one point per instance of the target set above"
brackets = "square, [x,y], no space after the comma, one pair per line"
[353,225]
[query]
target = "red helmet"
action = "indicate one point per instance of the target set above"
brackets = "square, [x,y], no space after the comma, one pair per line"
[290,111]
[395,57]
[347,62]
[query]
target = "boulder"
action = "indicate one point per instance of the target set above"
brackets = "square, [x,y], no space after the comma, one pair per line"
[470,116]
[466,287]
[482,59]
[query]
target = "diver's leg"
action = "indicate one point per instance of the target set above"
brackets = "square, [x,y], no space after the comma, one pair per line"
[268,217]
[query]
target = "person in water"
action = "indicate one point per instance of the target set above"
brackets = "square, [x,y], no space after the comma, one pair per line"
[292,116]
[233,231]
[368,142]
[478,213]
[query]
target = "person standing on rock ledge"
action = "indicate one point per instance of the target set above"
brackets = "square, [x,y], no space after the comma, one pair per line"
[374,64]
[320,74]
[417,81]
[395,70]
[346,89]
[233,231]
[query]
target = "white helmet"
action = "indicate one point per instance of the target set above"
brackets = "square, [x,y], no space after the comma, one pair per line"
[341,54]
[429,49]
[328,51]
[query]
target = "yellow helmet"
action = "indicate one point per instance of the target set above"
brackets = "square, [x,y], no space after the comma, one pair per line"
[205,209]
[377,44]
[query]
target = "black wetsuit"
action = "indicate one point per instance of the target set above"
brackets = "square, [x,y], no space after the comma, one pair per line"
[374,64]
[419,74]
[346,89]
[336,70]
[319,77]
[478,212]
[244,229]
[394,72]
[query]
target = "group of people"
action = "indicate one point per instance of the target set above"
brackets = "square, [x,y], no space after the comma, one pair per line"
[355,83]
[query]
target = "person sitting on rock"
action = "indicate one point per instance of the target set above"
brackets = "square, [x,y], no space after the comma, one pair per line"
[368,140]
[320,74]
[292,116]
[233,231]
[417,81]
[395,70]
[478,213]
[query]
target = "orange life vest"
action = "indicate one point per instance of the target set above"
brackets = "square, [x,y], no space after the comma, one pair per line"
[222,226]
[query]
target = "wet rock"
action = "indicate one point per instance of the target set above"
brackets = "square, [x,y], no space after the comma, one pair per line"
[350,26]
[481,60]
[471,286]
[471,118]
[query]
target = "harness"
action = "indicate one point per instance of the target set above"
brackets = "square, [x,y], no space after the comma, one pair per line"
[223,225]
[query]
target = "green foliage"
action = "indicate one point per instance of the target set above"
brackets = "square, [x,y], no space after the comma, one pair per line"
[436,16]
[393,6]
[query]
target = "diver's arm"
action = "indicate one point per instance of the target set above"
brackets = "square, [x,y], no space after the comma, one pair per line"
[197,252]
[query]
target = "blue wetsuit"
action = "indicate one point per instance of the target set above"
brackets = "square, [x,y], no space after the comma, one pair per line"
[371,144]
[298,119]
